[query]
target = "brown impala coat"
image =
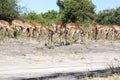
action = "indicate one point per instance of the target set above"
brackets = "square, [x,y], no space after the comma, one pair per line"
[56,26]
[18,24]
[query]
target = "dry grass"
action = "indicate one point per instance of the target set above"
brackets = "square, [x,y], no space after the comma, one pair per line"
[113,77]
[108,74]
[56,38]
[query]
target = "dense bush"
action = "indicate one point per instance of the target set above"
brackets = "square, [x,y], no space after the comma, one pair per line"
[9,10]
[109,17]
[78,11]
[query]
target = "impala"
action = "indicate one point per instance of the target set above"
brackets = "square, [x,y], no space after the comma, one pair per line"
[117,30]
[4,25]
[6,28]
[49,35]
[18,24]
[71,25]
[56,26]
[74,28]
[62,33]
[30,28]
[105,30]
[92,31]
[79,31]
[13,30]
[60,30]
[38,27]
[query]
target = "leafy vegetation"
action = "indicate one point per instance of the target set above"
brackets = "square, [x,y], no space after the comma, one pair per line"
[45,18]
[109,17]
[78,11]
[9,10]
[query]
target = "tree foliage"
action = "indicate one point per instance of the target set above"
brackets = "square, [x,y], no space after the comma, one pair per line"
[76,10]
[109,17]
[45,18]
[9,9]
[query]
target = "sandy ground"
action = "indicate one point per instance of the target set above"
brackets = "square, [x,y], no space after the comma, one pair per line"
[29,58]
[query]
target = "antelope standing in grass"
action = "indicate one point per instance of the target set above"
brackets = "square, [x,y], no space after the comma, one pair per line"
[92,31]
[61,31]
[56,26]
[73,29]
[48,34]
[104,29]
[30,29]
[117,30]
[71,25]
[38,27]
[79,31]
[18,24]
[6,28]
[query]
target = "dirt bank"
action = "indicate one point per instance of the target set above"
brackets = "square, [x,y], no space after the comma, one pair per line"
[29,58]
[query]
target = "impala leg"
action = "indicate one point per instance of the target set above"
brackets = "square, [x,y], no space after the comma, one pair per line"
[7,32]
[95,36]
[51,39]
[61,43]
[106,35]
[88,35]
[4,32]
[66,42]
[15,34]
[32,33]
[117,35]
[113,36]
[79,37]
[48,38]
[28,32]
[38,33]
[60,39]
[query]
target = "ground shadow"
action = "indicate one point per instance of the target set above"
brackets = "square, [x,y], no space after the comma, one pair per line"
[79,75]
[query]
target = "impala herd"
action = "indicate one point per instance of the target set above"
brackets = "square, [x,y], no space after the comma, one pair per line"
[35,29]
